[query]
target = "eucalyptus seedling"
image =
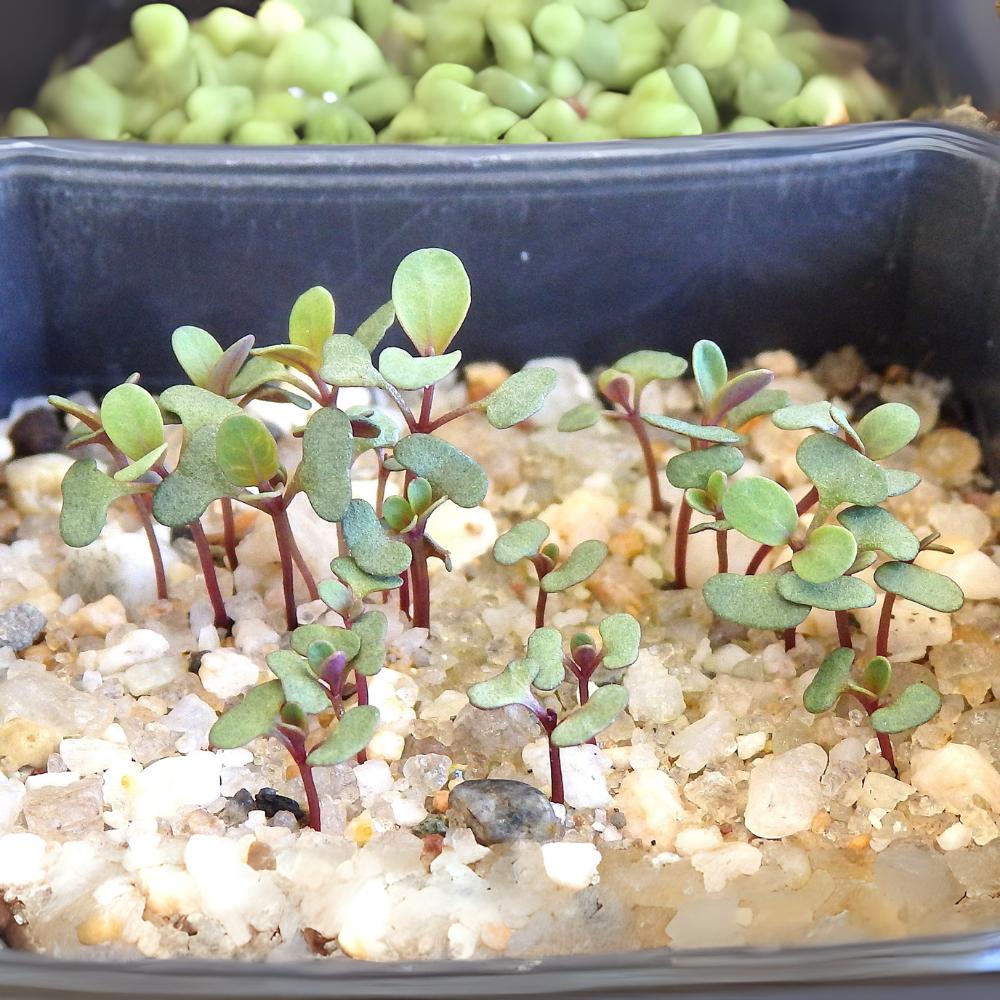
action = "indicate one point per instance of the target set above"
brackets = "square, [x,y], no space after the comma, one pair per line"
[527,541]
[544,669]
[622,386]
[130,427]
[431,296]
[912,707]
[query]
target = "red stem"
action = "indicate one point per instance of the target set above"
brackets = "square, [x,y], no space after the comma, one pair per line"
[404,595]
[540,608]
[419,577]
[882,638]
[229,532]
[681,545]
[222,619]
[295,745]
[790,639]
[722,547]
[871,706]
[285,543]
[555,769]
[361,682]
[303,567]
[844,629]
[143,505]
[649,459]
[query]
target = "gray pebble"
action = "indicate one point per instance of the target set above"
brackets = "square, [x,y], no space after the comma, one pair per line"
[498,810]
[21,625]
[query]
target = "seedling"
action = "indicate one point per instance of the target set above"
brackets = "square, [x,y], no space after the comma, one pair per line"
[543,670]
[130,427]
[912,707]
[526,541]
[431,296]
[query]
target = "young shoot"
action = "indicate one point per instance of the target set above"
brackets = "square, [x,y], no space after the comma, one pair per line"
[525,682]
[526,541]
[912,707]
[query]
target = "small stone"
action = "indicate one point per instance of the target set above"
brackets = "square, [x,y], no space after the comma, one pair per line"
[494,732]
[750,744]
[980,728]
[571,866]
[697,839]
[36,482]
[966,668]
[499,810]
[174,783]
[386,745]
[880,791]
[722,864]
[24,743]
[654,694]
[87,755]
[98,617]
[955,838]
[22,859]
[145,678]
[429,826]
[238,808]
[976,573]
[226,673]
[192,718]
[955,775]
[68,812]
[785,793]
[11,799]
[711,738]
[20,626]
[254,637]
[271,803]
[949,457]
[142,645]
[583,514]
[37,432]
[464,534]
[51,703]
[620,586]
[652,806]
[373,778]
[427,773]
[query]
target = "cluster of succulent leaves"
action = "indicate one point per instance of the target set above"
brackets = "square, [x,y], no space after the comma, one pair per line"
[228,455]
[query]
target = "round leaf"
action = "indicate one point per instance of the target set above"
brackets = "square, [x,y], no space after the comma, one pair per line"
[830,682]
[327,454]
[298,681]
[876,529]
[368,543]
[916,705]
[887,429]
[354,732]
[197,408]
[197,351]
[512,687]
[843,594]
[605,705]
[522,542]
[361,583]
[922,586]
[696,432]
[829,553]
[900,481]
[407,372]
[132,420]
[710,370]
[877,676]
[87,493]
[579,418]
[545,649]
[841,474]
[341,639]
[581,563]
[335,595]
[691,469]
[348,363]
[766,401]
[621,635]
[312,320]
[806,416]
[186,493]
[370,629]
[521,396]
[753,601]
[451,472]
[761,510]
[255,716]
[246,451]
[431,295]
[649,366]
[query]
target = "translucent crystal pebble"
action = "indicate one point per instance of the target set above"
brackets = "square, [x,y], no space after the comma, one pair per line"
[50,702]
[655,695]
[428,772]
[949,457]
[967,668]
[785,792]
[65,812]
[980,728]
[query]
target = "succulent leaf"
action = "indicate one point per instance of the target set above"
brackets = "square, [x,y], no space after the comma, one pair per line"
[186,493]
[764,402]
[887,429]
[451,472]
[288,354]
[522,541]
[914,706]
[245,450]
[620,635]
[700,501]
[761,509]
[255,716]
[900,481]
[691,469]
[876,529]
[512,687]
[372,331]
[650,366]
[545,649]
[604,706]
[580,418]
[362,584]
[431,296]
[519,397]
[354,732]
[697,432]
[139,468]
[841,474]
[197,351]
[829,552]
[133,421]
[710,370]
[297,681]
[368,543]
[753,601]
[327,454]
[806,416]
[196,407]
[340,639]
[224,370]
[739,390]
[581,563]
[348,363]
[312,320]
[336,595]
[922,586]
[877,676]
[830,682]
[398,514]
[370,628]
[87,493]
[419,495]
[843,594]
[407,372]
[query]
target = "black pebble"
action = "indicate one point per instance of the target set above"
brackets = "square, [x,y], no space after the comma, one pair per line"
[37,432]
[271,803]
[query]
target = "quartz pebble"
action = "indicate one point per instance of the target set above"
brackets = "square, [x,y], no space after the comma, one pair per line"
[571,866]
[35,482]
[20,626]
[11,799]
[68,812]
[955,776]
[711,738]
[193,719]
[174,783]
[585,770]
[652,806]
[785,793]
[227,673]
[498,811]
[721,865]
[53,704]
[654,694]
